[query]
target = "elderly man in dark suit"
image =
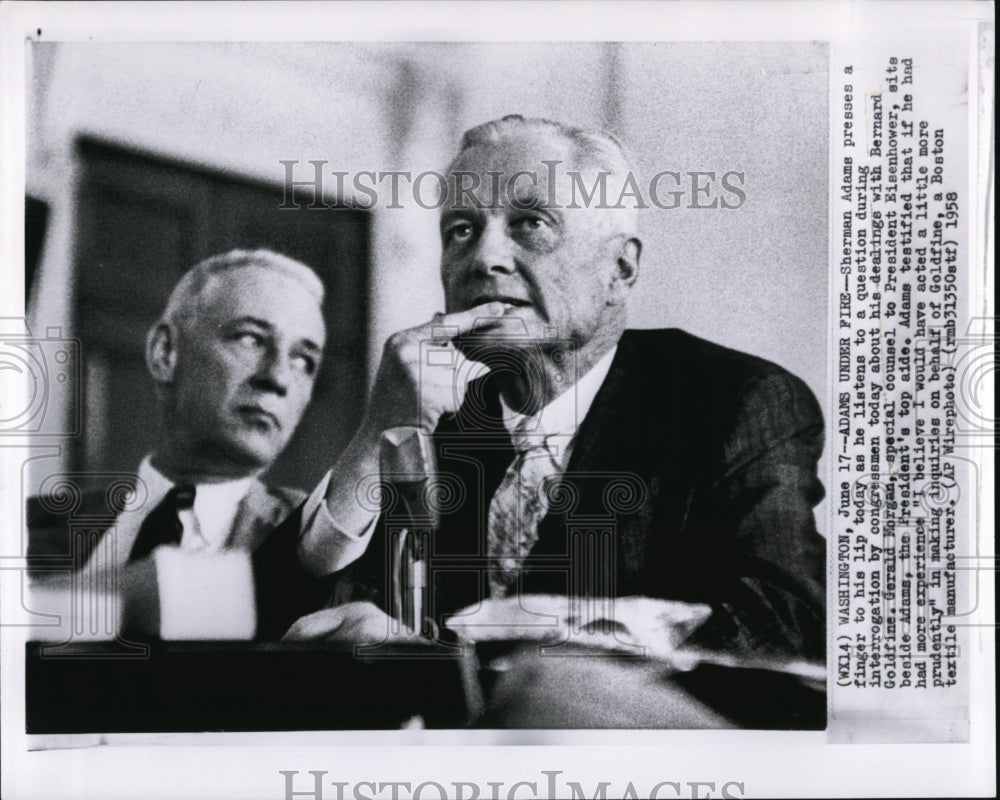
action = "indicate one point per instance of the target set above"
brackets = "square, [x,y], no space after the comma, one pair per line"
[586,458]
[234,359]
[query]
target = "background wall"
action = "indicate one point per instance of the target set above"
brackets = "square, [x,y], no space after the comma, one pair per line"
[752,278]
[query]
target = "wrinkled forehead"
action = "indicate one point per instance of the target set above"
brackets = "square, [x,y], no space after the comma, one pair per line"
[272,296]
[523,169]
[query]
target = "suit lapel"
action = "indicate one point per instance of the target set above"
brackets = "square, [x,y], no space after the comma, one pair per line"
[604,440]
[615,472]
[611,415]
[632,433]
[258,514]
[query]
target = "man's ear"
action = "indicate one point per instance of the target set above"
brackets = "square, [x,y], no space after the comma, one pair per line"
[626,268]
[161,352]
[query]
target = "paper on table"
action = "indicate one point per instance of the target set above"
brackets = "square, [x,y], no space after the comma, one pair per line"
[636,625]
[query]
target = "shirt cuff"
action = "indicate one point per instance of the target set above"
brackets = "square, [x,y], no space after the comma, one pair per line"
[325,545]
[205,595]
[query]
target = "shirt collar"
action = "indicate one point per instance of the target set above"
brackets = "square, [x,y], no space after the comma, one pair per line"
[215,504]
[563,415]
[155,483]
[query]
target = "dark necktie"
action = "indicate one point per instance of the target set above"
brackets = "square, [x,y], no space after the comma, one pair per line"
[163,525]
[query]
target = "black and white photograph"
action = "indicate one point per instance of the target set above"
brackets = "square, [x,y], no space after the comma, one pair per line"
[485,402]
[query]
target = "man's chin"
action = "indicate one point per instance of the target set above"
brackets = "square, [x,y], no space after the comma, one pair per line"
[251,451]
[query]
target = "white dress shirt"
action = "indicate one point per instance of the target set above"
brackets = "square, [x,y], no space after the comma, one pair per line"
[204,591]
[561,418]
[207,525]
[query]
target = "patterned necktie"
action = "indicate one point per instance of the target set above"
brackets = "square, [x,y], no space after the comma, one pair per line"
[519,504]
[163,525]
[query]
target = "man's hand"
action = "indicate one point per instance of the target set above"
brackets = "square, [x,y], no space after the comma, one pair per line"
[351,623]
[407,393]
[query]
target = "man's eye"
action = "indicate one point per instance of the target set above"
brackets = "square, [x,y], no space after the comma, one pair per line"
[530,223]
[306,364]
[249,339]
[460,232]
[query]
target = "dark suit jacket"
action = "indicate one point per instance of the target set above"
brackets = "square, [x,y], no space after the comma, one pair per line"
[693,477]
[64,528]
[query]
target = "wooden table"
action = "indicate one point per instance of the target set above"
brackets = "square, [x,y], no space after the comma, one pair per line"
[251,686]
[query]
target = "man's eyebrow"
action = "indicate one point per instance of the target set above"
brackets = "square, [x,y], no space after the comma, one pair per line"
[536,206]
[309,344]
[451,214]
[525,201]
[531,199]
[260,323]
[306,342]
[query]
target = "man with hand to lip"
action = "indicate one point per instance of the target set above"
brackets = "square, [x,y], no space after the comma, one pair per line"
[696,463]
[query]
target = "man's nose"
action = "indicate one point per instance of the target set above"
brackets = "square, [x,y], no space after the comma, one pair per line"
[274,371]
[494,249]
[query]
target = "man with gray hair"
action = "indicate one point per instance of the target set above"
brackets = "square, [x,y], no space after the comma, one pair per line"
[234,359]
[586,459]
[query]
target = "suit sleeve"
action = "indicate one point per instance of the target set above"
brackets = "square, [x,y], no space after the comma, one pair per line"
[755,528]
